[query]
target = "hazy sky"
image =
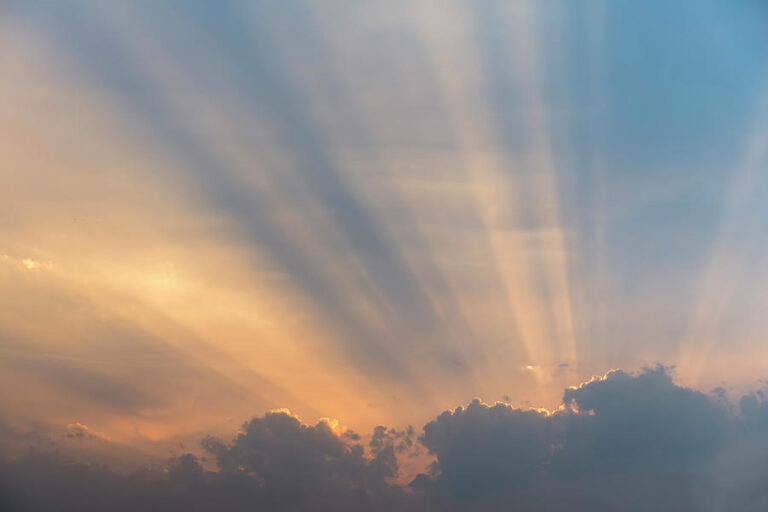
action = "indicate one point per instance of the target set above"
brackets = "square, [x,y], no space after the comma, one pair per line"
[371,211]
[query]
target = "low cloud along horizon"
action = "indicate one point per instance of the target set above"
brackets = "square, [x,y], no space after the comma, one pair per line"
[621,441]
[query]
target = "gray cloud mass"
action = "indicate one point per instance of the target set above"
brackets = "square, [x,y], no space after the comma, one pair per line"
[621,442]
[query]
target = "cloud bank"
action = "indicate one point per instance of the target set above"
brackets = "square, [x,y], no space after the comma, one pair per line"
[620,442]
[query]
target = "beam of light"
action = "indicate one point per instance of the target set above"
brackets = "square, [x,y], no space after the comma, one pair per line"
[481,159]
[93,253]
[527,57]
[730,256]
[359,140]
[365,214]
[235,202]
[531,260]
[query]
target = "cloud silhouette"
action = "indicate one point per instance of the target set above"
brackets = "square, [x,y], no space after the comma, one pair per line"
[620,442]
[276,463]
[281,464]
[638,421]
[484,450]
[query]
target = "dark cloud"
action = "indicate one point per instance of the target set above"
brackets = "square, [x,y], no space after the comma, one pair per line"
[621,442]
[276,463]
[281,464]
[639,421]
[755,410]
[484,450]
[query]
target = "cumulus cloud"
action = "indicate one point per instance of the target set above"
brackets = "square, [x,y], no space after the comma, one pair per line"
[620,442]
[276,463]
[282,464]
[483,450]
[638,422]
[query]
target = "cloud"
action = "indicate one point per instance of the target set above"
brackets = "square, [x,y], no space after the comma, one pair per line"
[276,463]
[639,421]
[484,450]
[282,464]
[619,442]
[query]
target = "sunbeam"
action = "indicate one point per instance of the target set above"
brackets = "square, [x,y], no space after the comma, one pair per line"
[347,220]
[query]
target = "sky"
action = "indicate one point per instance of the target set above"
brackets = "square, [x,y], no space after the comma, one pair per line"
[419,240]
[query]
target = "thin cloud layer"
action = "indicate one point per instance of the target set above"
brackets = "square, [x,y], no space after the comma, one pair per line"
[621,442]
